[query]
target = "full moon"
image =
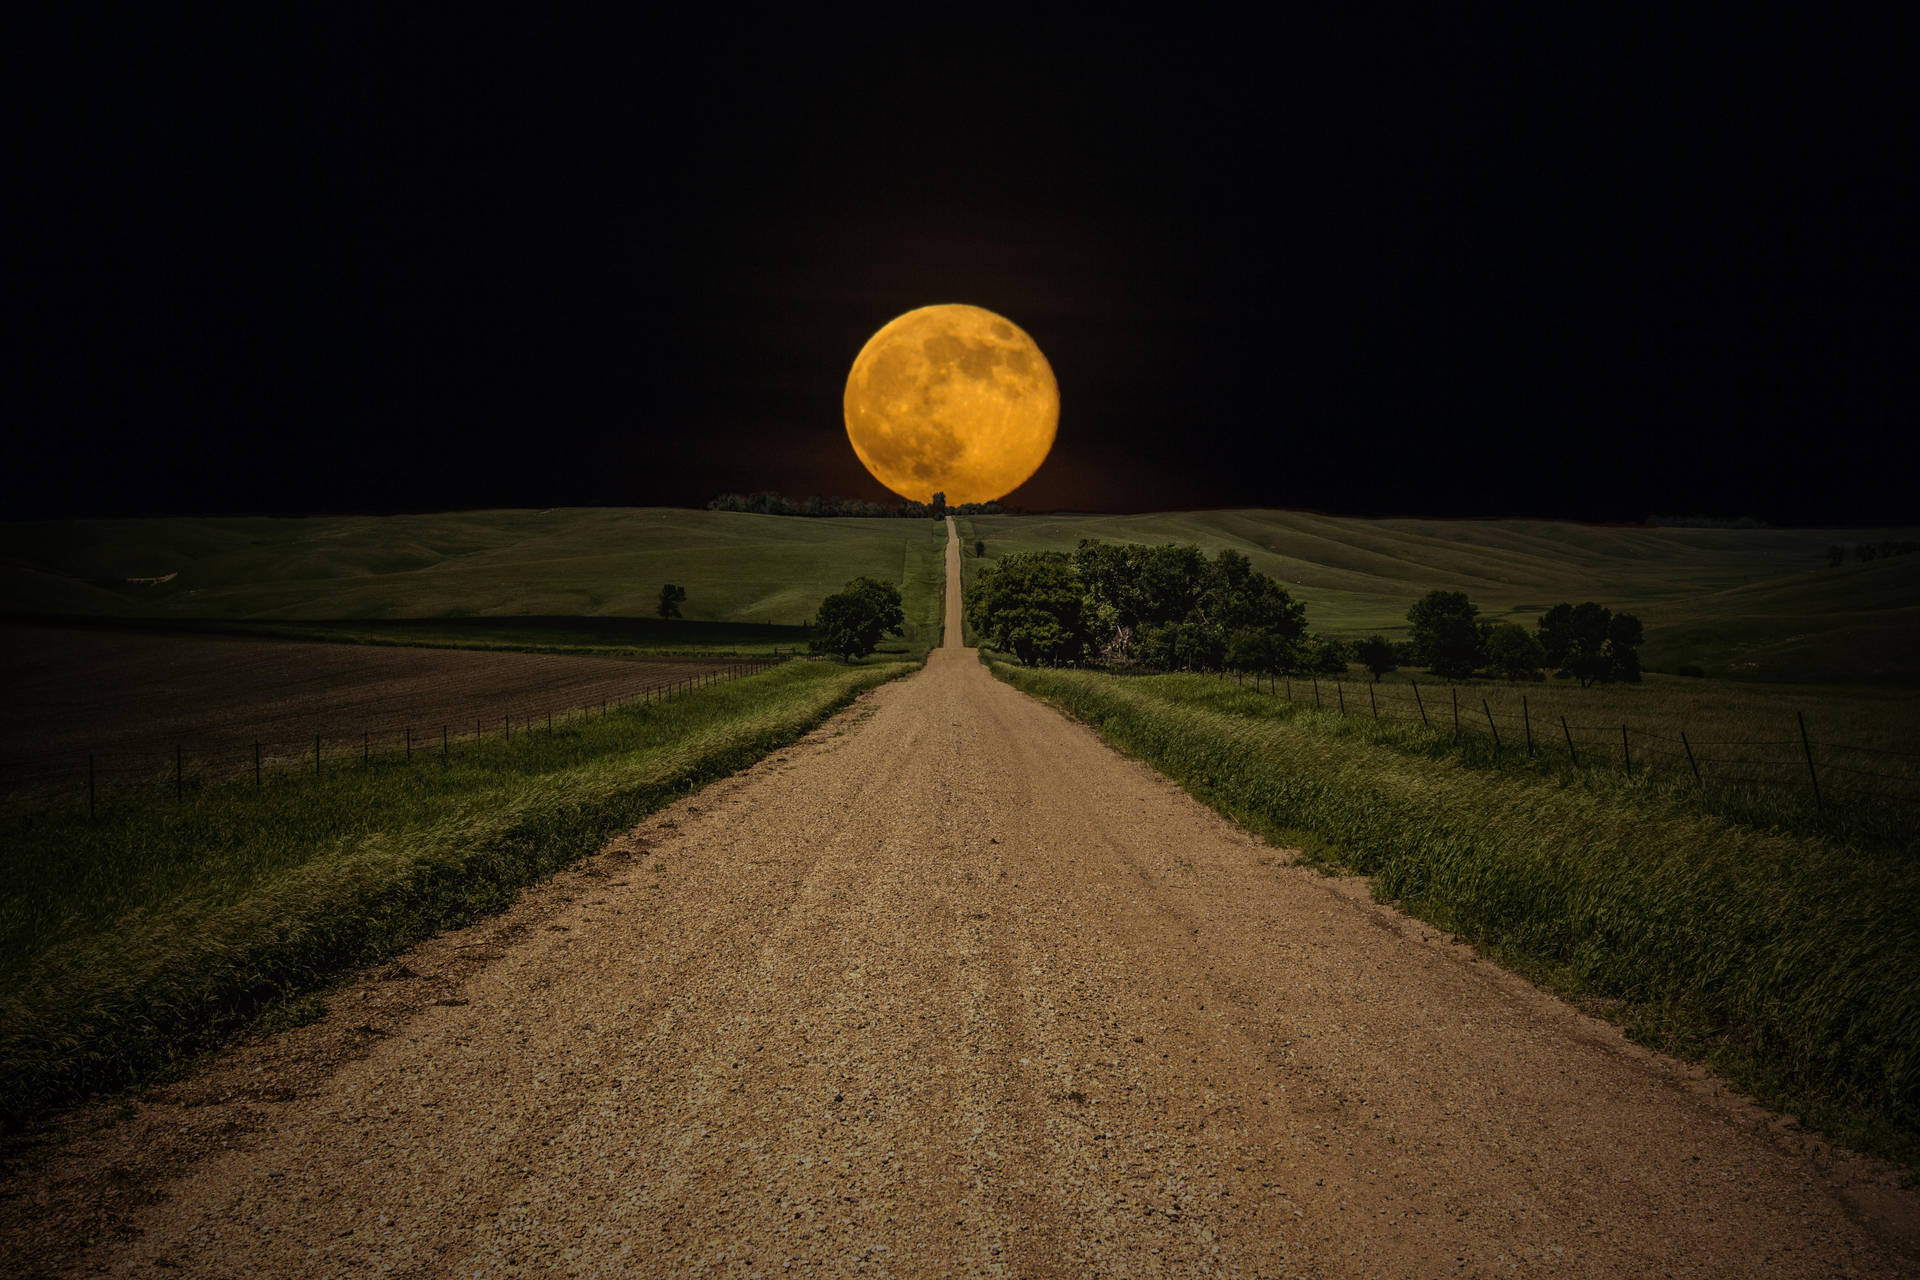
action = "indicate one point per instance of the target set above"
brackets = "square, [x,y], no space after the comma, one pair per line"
[952,399]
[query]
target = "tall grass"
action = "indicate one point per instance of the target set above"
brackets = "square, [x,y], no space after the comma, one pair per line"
[132,941]
[1785,960]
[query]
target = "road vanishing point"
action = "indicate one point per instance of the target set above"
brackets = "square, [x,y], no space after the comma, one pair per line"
[950,988]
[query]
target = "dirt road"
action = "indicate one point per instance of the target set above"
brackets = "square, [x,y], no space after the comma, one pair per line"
[950,988]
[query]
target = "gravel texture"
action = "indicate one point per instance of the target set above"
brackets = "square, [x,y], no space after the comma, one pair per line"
[949,988]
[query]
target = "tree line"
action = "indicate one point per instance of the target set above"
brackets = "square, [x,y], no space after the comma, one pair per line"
[1171,607]
[773,504]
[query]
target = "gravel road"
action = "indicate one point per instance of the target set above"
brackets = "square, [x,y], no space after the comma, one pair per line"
[950,988]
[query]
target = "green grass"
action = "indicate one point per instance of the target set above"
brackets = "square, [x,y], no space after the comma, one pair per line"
[1783,959]
[1754,604]
[510,568]
[133,941]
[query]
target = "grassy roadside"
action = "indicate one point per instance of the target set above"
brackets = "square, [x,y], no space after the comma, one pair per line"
[130,943]
[1783,960]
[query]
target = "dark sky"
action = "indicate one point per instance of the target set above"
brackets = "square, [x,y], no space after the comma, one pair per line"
[1595,267]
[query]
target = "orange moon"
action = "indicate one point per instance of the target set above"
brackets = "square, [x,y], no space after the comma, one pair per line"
[952,399]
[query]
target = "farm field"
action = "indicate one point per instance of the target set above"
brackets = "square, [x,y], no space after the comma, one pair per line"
[506,572]
[131,698]
[1749,604]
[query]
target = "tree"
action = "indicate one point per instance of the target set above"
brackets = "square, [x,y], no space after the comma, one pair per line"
[1376,655]
[979,548]
[671,598]
[1446,633]
[1556,634]
[1326,656]
[1514,651]
[937,508]
[852,621]
[1624,635]
[1033,606]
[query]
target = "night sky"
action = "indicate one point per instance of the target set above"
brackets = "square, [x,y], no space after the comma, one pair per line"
[1595,268]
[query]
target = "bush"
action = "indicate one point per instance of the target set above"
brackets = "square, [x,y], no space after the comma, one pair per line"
[1514,653]
[1446,633]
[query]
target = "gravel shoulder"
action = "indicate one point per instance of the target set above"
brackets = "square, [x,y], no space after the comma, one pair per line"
[949,988]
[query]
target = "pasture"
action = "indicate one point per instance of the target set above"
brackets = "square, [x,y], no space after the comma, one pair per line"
[508,579]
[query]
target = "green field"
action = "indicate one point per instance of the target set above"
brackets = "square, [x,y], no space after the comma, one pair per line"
[1785,958]
[131,941]
[496,578]
[1752,604]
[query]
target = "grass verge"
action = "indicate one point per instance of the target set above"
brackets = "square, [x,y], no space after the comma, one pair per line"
[1783,960]
[130,943]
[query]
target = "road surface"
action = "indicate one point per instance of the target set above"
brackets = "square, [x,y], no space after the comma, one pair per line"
[950,988]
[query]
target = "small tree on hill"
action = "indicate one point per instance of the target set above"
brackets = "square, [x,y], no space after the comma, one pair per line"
[671,598]
[852,621]
[937,508]
[1514,652]
[1376,655]
[1446,633]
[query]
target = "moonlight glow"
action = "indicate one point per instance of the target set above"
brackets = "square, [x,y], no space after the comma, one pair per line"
[952,399]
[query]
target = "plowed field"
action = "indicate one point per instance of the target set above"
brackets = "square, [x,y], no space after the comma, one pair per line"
[131,699]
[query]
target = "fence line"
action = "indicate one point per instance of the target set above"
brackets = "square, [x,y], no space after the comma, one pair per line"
[83,779]
[1801,763]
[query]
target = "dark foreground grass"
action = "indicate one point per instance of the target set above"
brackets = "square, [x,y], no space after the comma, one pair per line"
[130,943]
[1787,961]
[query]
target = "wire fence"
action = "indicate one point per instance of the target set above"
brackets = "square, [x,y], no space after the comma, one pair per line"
[89,780]
[1828,773]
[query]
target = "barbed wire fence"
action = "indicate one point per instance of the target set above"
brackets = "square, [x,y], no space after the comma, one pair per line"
[1828,773]
[87,780]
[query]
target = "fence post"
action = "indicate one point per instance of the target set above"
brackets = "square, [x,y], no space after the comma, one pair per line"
[1818,804]
[1491,725]
[1373,702]
[1690,762]
[1570,750]
[1316,689]
[90,807]
[1626,752]
[178,785]
[1341,694]
[409,742]
[1526,722]
[1456,711]
[549,719]
[1419,703]
[1289,679]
